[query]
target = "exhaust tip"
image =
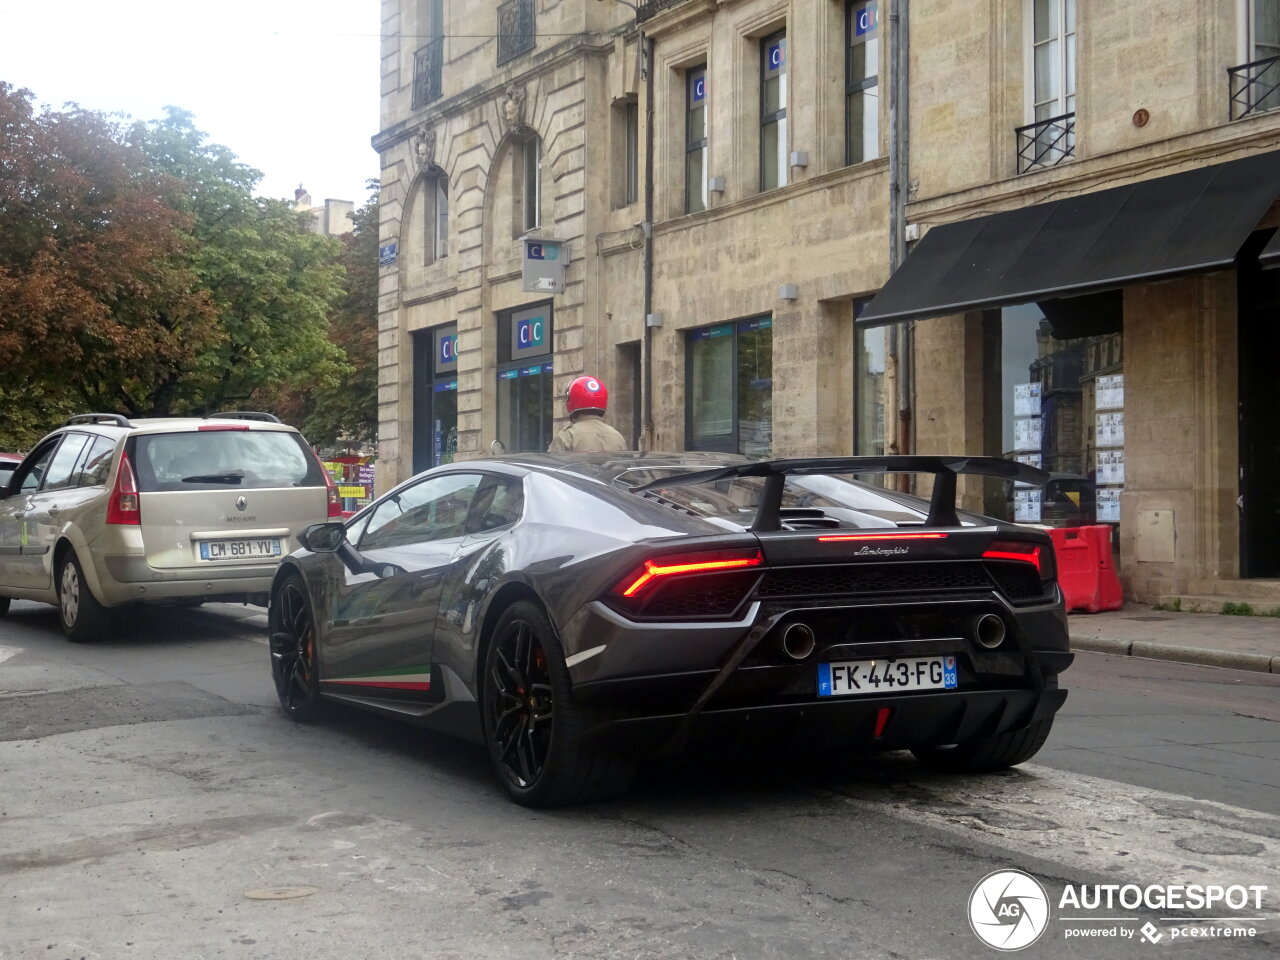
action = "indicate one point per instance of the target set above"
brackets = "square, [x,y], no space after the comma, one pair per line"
[989,630]
[798,641]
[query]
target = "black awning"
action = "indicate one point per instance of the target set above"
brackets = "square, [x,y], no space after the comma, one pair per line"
[1270,255]
[1184,223]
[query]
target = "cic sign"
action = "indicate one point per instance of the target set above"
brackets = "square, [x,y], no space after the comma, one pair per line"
[542,265]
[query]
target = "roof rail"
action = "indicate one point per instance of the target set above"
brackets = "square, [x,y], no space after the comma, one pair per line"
[117,419]
[244,415]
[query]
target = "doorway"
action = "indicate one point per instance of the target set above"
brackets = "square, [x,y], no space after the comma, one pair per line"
[1259,336]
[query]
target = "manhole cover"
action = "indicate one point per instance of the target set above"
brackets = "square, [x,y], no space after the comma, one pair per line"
[1148,619]
[280,893]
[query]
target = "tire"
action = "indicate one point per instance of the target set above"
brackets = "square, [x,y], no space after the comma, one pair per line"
[533,730]
[987,753]
[4,606]
[294,654]
[83,618]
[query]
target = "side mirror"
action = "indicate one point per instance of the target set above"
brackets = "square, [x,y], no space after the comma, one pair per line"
[323,537]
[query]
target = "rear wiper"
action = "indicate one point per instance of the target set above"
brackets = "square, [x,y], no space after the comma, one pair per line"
[231,476]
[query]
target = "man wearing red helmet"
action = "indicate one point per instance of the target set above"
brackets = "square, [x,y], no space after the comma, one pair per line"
[587,432]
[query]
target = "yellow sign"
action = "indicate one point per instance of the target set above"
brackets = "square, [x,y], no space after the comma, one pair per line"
[346,491]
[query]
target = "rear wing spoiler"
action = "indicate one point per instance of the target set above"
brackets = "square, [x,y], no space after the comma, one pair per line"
[942,505]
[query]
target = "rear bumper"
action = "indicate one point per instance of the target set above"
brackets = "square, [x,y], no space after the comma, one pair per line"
[832,726]
[130,579]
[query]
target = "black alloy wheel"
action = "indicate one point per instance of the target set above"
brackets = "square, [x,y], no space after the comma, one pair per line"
[534,730]
[294,664]
[520,703]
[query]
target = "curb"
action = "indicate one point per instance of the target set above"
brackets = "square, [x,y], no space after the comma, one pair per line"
[1201,656]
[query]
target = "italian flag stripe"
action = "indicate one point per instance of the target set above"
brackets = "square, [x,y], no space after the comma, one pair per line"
[397,678]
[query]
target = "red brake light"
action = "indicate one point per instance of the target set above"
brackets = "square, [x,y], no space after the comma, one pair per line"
[882,536]
[1019,551]
[222,426]
[123,506]
[705,562]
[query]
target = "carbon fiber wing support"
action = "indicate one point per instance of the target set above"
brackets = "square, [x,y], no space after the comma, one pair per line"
[942,504]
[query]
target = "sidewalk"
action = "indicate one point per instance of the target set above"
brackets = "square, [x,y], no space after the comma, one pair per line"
[1211,639]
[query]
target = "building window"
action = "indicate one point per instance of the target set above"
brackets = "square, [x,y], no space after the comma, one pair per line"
[436,216]
[861,92]
[695,140]
[729,387]
[773,111]
[1050,135]
[870,351]
[435,397]
[528,186]
[525,406]
[626,152]
[1255,86]
[515,29]
[428,60]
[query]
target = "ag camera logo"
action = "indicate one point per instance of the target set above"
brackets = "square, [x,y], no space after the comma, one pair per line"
[1008,910]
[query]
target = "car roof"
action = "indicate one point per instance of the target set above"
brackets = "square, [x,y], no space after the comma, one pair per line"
[153,425]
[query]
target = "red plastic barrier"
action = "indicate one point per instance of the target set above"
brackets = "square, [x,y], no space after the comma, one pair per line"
[1086,572]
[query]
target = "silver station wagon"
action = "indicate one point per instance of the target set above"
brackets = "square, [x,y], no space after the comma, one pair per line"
[106,512]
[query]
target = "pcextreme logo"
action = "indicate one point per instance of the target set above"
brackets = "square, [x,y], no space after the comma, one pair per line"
[1009,910]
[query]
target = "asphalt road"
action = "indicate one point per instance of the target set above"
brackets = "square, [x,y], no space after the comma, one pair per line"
[154,804]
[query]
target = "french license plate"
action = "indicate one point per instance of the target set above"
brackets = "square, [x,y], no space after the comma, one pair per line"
[239,549]
[855,677]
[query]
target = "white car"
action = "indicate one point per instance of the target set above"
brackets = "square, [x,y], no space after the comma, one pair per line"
[106,512]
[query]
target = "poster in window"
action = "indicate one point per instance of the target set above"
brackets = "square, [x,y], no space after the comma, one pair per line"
[1027,433]
[1110,429]
[1110,466]
[1026,399]
[1110,392]
[1027,506]
[1109,505]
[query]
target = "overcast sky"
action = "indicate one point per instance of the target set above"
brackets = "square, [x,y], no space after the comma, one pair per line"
[290,86]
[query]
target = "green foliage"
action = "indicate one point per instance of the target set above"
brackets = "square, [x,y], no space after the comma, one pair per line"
[139,274]
[1230,609]
[98,298]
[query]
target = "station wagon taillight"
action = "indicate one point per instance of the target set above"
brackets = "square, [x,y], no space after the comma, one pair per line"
[123,506]
[1038,555]
[335,501]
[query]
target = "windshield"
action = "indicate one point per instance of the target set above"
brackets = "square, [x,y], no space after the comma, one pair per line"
[224,460]
[807,501]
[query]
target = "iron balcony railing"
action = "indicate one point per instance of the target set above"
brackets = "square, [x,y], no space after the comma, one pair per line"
[515,29]
[1254,87]
[647,9]
[1046,142]
[428,73]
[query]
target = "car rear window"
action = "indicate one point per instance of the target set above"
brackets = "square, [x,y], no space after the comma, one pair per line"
[840,502]
[223,459]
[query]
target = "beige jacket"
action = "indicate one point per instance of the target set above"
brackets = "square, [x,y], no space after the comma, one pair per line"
[588,433]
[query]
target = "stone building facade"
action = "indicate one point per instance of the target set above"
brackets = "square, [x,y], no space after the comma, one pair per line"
[770,234]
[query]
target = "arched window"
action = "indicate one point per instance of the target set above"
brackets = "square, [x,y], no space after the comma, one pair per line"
[435,198]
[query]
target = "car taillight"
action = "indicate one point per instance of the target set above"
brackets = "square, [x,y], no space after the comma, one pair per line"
[222,426]
[335,501]
[684,564]
[123,506]
[1039,555]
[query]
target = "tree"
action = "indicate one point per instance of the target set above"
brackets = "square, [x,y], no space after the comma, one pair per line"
[344,411]
[98,296]
[272,282]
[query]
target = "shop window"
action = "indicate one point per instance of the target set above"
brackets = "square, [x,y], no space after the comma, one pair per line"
[729,387]
[773,111]
[1062,409]
[695,140]
[870,353]
[435,397]
[525,403]
[861,83]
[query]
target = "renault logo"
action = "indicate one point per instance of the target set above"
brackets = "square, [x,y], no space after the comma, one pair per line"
[241,503]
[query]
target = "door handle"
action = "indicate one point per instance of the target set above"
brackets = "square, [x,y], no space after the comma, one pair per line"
[54,510]
[425,582]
